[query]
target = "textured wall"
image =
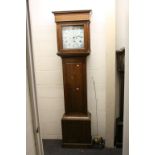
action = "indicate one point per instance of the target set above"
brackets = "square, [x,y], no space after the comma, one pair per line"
[48,67]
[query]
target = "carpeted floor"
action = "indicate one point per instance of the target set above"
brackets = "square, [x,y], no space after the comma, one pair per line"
[53,147]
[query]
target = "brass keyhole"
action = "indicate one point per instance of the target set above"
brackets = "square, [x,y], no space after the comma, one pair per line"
[77,65]
[77,89]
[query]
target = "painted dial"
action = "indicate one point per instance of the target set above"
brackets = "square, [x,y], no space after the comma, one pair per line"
[73,37]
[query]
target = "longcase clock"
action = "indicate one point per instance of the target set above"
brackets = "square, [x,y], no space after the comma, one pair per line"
[73,40]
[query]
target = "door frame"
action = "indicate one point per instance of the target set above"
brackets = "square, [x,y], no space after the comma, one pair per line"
[32,85]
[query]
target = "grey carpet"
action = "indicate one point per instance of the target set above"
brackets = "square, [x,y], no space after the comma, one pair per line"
[53,147]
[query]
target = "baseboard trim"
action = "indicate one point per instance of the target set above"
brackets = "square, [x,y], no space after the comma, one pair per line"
[58,137]
[77,145]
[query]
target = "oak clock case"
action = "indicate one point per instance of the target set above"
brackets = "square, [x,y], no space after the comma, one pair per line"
[73,41]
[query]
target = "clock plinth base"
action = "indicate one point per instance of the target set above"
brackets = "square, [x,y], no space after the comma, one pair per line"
[76,131]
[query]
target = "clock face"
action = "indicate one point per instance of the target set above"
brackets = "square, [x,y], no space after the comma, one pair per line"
[73,37]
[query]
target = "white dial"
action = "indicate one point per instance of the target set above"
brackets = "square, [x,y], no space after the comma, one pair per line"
[73,37]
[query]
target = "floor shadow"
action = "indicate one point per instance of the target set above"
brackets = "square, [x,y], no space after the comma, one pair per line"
[53,147]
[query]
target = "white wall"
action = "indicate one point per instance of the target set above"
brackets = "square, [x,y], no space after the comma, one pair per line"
[122,40]
[122,24]
[100,64]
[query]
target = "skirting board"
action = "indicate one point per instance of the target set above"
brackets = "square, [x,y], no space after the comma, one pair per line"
[76,145]
[52,137]
[57,137]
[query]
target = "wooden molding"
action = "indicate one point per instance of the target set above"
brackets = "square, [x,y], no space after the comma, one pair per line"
[78,15]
